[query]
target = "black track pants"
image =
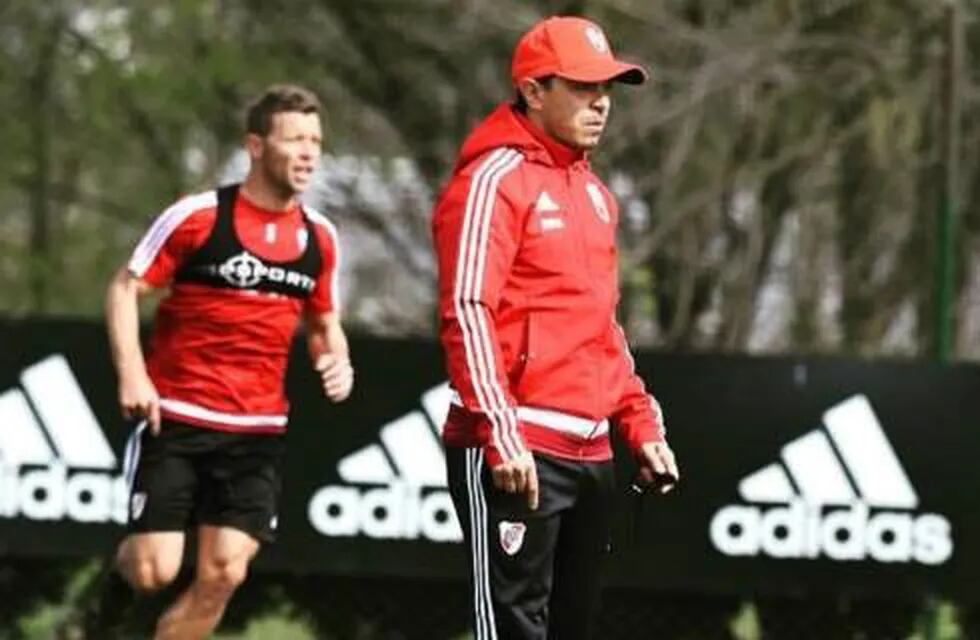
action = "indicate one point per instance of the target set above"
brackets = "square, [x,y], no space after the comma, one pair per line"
[534,575]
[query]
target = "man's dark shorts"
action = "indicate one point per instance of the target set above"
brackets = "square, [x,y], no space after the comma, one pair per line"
[189,476]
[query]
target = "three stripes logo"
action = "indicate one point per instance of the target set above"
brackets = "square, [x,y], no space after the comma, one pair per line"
[845,497]
[396,489]
[55,462]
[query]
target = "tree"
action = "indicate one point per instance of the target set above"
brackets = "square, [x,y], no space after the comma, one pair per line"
[778,174]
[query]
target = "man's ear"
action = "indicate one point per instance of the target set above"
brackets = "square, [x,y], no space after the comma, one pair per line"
[254,145]
[533,92]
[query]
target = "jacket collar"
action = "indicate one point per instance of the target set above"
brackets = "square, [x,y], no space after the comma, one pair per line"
[559,154]
[505,127]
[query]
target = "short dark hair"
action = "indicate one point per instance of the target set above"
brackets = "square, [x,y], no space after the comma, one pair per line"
[519,103]
[279,98]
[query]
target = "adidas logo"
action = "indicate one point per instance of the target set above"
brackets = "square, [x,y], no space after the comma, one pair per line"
[395,489]
[845,497]
[545,203]
[55,462]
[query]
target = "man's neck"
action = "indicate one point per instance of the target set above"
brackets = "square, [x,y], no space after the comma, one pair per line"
[261,194]
[561,152]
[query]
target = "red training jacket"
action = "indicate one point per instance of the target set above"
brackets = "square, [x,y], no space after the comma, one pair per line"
[525,237]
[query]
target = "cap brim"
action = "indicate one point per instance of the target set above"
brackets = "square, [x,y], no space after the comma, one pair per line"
[606,70]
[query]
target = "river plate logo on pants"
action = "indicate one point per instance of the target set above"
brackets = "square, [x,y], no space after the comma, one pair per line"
[849,500]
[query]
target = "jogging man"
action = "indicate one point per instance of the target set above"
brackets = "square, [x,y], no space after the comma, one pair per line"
[243,264]
[525,237]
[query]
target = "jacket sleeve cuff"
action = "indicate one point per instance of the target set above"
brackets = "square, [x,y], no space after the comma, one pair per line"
[639,434]
[494,456]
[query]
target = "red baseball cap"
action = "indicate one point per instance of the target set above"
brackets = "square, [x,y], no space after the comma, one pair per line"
[572,48]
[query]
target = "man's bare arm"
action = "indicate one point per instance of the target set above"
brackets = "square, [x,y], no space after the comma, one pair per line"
[137,395]
[330,354]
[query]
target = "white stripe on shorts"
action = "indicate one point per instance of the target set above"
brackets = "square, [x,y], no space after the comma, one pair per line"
[131,455]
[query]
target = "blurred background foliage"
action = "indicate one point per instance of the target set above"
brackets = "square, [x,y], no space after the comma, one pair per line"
[780,177]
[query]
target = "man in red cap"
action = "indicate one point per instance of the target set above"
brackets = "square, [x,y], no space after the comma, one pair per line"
[525,238]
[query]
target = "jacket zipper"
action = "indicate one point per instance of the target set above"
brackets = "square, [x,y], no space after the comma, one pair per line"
[577,214]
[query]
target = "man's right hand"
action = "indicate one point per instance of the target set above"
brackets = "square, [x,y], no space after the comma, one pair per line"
[520,475]
[138,398]
[658,467]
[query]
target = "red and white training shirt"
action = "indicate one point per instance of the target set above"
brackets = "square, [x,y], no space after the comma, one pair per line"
[219,349]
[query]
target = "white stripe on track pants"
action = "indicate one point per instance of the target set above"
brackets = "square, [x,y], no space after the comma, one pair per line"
[534,575]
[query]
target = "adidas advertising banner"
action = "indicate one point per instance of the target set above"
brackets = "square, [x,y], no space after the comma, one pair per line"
[800,476]
[815,476]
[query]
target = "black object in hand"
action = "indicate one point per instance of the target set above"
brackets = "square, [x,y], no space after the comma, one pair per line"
[646,479]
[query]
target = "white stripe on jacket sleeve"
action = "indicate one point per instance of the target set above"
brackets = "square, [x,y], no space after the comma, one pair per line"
[470,273]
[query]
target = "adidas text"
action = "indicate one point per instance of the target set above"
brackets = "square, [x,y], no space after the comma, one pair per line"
[55,461]
[405,500]
[838,491]
[52,493]
[807,531]
[399,510]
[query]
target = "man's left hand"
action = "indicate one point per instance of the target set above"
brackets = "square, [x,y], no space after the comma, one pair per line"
[658,468]
[336,376]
